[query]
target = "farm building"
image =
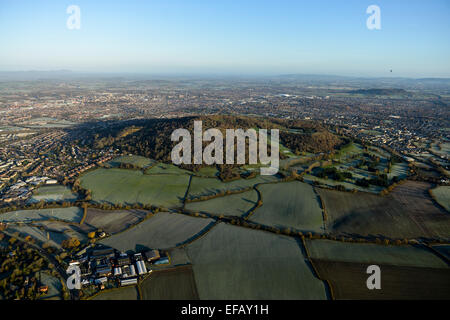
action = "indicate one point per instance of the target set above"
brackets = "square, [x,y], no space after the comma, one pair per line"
[123,260]
[142,269]
[127,282]
[102,252]
[152,255]
[117,271]
[104,271]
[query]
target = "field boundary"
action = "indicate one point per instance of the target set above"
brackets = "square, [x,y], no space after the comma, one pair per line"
[328,286]
[436,252]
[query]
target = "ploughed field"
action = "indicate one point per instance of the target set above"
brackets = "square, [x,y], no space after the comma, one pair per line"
[407,212]
[113,221]
[170,284]
[125,293]
[407,272]
[348,280]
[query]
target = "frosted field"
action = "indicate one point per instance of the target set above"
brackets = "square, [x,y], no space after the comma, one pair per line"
[211,186]
[71,214]
[399,170]
[231,205]
[164,168]
[162,231]
[40,235]
[289,204]
[141,162]
[53,193]
[230,262]
[132,186]
[442,196]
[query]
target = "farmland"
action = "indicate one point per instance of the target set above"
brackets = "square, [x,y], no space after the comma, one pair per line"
[53,193]
[349,186]
[348,281]
[442,196]
[170,284]
[164,168]
[126,293]
[161,231]
[234,263]
[119,186]
[356,167]
[71,214]
[231,205]
[443,249]
[137,161]
[290,204]
[408,211]
[54,238]
[113,221]
[210,186]
[369,253]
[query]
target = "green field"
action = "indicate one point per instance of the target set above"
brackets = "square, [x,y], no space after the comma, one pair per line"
[132,186]
[373,253]
[209,171]
[289,204]
[71,214]
[231,205]
[234,263]
[349,150]
[164,168]
[161,231]
[399,170]
[53,193]
[138,161]
[347,185]
[211,186]
[442,196]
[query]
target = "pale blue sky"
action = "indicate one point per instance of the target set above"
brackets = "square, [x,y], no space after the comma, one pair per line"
[228,36]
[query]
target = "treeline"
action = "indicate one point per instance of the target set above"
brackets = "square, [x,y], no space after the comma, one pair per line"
[334,174]
[151,137]
[317,142]
[20,265]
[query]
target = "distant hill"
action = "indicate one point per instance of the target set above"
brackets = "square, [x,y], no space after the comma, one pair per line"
[381,92]
[151,137]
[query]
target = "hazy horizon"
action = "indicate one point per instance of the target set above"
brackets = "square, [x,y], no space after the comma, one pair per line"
[237,38]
